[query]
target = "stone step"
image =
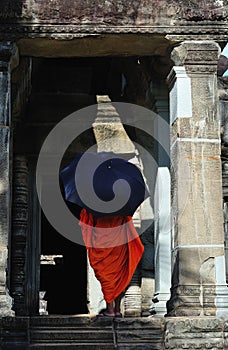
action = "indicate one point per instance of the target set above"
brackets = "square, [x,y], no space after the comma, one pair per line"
[64,333]
[78,346]
[82,333]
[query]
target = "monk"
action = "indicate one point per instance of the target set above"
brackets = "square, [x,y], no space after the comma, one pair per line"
[114,251]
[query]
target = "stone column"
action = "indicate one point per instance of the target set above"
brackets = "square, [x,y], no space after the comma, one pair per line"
[7,53]
[198,264]
[162,232]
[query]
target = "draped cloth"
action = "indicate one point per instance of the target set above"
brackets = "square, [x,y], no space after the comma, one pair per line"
[114,250]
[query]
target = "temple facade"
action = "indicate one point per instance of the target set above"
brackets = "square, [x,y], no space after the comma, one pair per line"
[150,68]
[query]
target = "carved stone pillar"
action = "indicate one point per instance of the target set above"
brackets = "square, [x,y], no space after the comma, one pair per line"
[198,264]
[19,279]
[7,53]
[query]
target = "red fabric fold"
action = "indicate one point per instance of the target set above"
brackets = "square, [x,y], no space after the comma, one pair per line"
[114,250]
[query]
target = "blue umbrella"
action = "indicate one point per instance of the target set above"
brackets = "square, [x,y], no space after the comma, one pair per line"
[104,184]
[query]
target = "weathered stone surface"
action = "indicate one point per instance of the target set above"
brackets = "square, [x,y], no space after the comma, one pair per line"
[113,12]
[194,333]
[198,233]
[197,187]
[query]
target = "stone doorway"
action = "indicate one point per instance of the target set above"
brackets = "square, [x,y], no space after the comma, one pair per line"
[57,87]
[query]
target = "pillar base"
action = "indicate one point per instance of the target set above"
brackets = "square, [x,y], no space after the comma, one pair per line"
[198,300]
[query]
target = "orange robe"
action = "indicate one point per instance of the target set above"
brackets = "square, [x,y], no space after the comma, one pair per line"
[114,250]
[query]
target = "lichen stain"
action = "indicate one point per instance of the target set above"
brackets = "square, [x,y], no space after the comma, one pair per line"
[214,158]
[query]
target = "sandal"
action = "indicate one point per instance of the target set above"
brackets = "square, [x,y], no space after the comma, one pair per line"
[118,314]
[104,314]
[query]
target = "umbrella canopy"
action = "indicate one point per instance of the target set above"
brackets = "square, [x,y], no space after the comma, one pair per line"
[104,184]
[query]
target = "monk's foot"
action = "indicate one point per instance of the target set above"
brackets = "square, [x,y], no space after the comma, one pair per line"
[118,314]
[106,314]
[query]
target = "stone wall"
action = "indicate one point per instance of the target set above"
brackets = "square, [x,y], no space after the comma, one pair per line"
[103,12]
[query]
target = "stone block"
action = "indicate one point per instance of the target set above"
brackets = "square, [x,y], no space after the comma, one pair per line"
[141,333]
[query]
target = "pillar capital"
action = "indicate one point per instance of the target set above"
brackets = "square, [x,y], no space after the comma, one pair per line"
[197,56]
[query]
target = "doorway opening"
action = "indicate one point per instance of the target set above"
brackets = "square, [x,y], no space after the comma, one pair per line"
[63,272]
[60,86]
